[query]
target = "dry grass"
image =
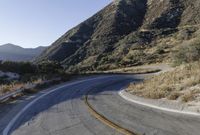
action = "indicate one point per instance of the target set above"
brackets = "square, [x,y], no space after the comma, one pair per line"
[10,87]
[176,84]
[6,88]
[188,96]
[130,70]
[174,95]
[135,70]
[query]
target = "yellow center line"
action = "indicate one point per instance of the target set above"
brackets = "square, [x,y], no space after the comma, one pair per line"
[106,121]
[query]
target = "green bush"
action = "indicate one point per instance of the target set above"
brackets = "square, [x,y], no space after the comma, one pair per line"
[18,67]
[187,52]
[134,57]
[161,49]
[49,67]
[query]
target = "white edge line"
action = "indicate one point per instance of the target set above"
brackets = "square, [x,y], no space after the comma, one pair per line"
[13,121]
[156,107]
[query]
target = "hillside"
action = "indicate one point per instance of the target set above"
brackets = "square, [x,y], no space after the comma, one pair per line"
[10,52]
[127,33]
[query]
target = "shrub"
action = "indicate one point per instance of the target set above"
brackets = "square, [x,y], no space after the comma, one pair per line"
[134,57]
[187,97]
[174,95]
[17,67]
[161,49]
[49,67]
[187,52]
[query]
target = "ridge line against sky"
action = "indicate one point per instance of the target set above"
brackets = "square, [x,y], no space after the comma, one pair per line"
[33,23]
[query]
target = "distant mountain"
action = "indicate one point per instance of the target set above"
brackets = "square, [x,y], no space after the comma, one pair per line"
[12,52]
[127,33]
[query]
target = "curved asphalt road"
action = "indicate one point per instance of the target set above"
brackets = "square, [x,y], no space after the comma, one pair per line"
[64,112]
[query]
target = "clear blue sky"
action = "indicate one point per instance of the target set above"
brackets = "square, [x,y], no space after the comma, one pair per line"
[32,23]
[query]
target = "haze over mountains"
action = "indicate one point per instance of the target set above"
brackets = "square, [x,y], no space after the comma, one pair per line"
[10,52]
[127,33]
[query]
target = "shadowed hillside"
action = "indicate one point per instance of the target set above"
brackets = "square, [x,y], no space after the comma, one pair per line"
[127,33]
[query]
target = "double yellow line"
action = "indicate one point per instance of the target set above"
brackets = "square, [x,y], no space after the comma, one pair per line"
[106,121]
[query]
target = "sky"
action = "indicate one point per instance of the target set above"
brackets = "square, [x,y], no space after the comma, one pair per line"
[33,23]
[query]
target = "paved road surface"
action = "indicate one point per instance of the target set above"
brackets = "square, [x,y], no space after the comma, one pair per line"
[64,112]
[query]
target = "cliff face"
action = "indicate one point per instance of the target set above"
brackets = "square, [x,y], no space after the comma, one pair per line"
[123,34]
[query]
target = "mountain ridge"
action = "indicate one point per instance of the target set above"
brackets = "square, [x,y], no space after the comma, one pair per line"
[11,52]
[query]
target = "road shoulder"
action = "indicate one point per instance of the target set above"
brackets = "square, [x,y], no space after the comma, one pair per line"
[160,104]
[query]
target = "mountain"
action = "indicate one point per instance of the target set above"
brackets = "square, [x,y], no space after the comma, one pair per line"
[12,52]
[127,33]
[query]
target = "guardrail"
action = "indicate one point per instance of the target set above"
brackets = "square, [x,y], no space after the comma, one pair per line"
[12,94]
[4,97]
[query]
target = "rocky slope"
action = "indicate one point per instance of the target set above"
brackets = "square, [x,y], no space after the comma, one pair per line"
[127,33]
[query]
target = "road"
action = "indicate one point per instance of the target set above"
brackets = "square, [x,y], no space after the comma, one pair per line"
[64,112]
